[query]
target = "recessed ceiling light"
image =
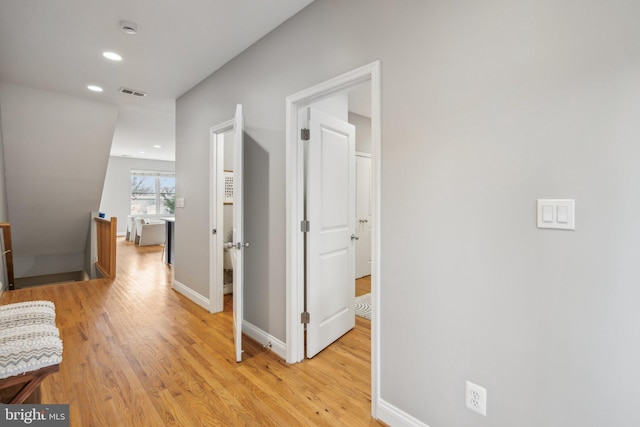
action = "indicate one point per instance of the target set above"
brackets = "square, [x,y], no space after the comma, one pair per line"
[94,88]
[112,56]
[157,146]
[141,152]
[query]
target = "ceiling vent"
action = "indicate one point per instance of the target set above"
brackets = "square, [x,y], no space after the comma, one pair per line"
[128,27]
[132,92]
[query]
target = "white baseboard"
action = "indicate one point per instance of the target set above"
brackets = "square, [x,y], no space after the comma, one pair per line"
[192,295]
[393,416]
[277,346]
[121,233]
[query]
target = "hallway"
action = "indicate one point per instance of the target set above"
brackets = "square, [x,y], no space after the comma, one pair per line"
[138,353]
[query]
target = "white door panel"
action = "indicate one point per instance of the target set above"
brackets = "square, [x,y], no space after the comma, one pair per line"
[363,214]
[331,212]
[238,232]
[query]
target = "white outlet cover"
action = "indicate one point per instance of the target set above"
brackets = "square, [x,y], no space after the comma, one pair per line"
[475,398]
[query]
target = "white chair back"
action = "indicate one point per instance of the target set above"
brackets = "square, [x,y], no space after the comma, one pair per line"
[131,228]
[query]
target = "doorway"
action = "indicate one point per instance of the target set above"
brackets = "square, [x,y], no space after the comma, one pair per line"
[295,214]
[226,241]
[330,222]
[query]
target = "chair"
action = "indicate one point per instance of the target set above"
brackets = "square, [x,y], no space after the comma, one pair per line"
[30,348]
[137,228]
[149,232]
[131,228]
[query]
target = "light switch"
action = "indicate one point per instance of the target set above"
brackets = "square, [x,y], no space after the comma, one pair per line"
[563,214]
[180,202]
[556,213]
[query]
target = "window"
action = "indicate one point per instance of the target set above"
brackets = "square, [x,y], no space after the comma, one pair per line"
[152,192]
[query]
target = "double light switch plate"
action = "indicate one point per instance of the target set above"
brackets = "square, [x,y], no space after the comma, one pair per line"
[556,213]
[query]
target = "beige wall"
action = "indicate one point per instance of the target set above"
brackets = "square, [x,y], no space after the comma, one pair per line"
[56,150]
[486,106]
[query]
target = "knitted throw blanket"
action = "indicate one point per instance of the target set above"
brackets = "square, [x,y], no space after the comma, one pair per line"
[29,338]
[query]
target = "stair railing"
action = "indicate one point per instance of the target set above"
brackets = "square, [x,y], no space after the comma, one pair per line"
[106,239]
[6,249]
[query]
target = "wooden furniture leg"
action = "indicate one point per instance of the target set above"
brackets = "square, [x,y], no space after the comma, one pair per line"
[31,381]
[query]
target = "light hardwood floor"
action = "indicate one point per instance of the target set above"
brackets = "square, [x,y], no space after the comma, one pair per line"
[138,353]
[363,286]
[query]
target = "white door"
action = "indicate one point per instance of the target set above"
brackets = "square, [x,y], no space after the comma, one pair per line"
[331,212]
[363,215]
[238,231]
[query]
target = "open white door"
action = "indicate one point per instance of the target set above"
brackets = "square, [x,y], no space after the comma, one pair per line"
[363,215]
[331,212]
[238,231]
[233,130]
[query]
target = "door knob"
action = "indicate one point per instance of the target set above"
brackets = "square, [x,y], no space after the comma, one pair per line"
[354,237]
[363,221]
[229,245]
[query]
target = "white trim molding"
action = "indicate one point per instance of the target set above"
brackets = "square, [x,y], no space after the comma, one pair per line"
[277,346]
[393,416]
[191,294]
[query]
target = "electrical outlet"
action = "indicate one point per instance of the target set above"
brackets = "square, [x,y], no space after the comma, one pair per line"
[476,398]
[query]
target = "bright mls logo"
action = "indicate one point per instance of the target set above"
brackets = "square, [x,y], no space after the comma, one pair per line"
[34,415]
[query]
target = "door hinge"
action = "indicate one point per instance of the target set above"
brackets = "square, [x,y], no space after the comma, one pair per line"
[305,226]
[214,231]
[305,318]
[305,134]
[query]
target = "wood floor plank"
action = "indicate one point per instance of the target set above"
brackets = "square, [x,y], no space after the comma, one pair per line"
[137,353]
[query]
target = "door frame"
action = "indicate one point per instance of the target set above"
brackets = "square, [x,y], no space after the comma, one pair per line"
[295,259]
[216,187]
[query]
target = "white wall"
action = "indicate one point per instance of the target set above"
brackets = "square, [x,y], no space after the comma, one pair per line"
[336,106]
[363,132]
[116,194]
[486,107]
[56,149]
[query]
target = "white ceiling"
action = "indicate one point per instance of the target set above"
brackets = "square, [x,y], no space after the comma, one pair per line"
[57,46]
